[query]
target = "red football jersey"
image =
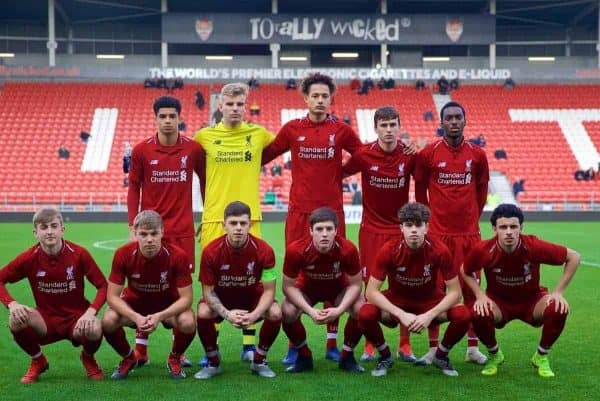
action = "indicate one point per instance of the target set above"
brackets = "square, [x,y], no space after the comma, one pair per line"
[160,179]
[236,272]
[316,160]
[456,180]
[413,274]
[321,271]
[385,182]
[514,277]
[151,281]
[56,281]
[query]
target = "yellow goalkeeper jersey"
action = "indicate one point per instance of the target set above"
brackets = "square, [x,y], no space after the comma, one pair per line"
[233,160]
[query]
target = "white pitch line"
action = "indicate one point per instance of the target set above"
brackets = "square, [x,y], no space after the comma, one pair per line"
[103,244]
[583,262]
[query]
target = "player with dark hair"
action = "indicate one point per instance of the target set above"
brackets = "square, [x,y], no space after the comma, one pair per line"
[322,267]
[413,266]
[233,161]
[316,143]
[451,177]
[55,269]
[511,262]
[385,176]
[160,179]
[159,290]
[238,284]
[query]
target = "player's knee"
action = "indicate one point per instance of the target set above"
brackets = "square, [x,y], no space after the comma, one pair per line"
[204,312]
[186,323]
[459,314]
[275,313]
[478,319]
[551,314]
[110,321]
[368,314]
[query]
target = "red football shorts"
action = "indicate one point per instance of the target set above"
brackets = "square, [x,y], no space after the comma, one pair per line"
[187,244]
[519,310]
[460,246]
[297,225]
[369,244]
[59,327]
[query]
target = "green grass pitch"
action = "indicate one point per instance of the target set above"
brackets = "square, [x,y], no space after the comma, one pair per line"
[574,357]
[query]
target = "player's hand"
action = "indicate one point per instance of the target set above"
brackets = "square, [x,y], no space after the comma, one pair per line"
[19,314]
[249,319]
[236,317]
[483,306]
[410,148]
[318,316]
[420,323]
[151,323]
[560,303]
[86,325]
[330,314]
[407,319]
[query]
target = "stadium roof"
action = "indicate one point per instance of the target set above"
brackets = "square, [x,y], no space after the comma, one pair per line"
[529,13]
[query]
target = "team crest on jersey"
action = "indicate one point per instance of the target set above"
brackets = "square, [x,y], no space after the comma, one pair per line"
[426,270]
[248,140]
[301,138]
[331,139]
[336,266]
[442,164]
[468,165]
[163,277]
[250,268]
[310,267]
[527,268]
[225,267]
[400,169]
[184,161]
[374,168]
[70,275]
[41,273]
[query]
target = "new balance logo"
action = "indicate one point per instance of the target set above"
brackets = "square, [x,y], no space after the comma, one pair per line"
[442,164]
[374,168]
[224,267]
[154,162]
[41,273]
[217,142]
[301,138]
[136,275]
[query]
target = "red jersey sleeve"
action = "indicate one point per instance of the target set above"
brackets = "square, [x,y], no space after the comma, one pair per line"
[292,263]
[200,167]
[206,276]
[118,273]
[352,261]
[136,177]
[267,256]
[94,276]
[421,174]
[11,273]
[352,166]
[445,262]
[382,260]
[482,181]
[547,252]
[351,141]
[474,260]
[279,145]
[183,274]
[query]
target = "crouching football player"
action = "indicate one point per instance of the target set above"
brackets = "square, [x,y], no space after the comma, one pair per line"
[159,290]
[412,264]
[511,262]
